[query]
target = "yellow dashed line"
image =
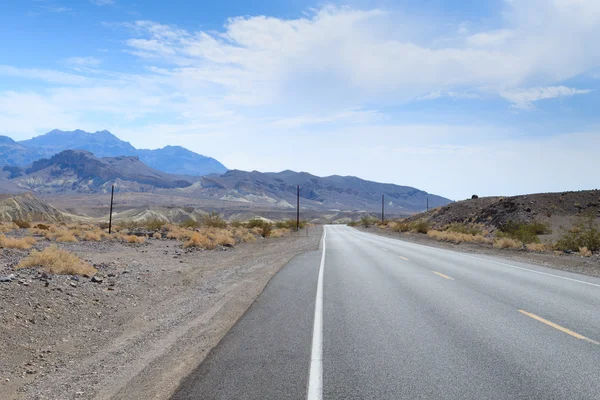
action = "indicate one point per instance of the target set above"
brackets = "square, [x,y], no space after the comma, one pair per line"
[442,275]
[404,258]
[560,328]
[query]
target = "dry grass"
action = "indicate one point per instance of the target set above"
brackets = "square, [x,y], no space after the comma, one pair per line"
[507,243]
[66,237]
[56,261]
[210,238]
[134,239]
[7,227]
[585,252]
[157,235]
[536,247]
[91,236]
[457,237]
[275,233]
[16,243]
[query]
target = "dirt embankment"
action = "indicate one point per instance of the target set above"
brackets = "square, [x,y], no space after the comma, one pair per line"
[152,315]
[555,209]
[566,262]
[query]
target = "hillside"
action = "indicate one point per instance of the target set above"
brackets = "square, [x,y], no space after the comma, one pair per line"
[82,172]
[27,207]
[170,159]
[555,209]
[329,193]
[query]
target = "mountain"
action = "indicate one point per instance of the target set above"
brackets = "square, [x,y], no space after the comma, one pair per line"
[170,159]
[329,193]
[80,171]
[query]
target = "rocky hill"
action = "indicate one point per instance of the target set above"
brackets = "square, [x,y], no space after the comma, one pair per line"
[29,208]
[170,159]
[555,209]
[82,172]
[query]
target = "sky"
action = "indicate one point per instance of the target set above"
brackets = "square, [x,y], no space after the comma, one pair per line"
[455,97]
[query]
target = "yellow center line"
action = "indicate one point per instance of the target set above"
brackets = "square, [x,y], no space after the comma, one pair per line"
[556,326]
[404,258]
[442,275]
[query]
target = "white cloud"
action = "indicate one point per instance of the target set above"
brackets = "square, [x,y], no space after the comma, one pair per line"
[50,76]
[102,2]
[79,62]
[525,98]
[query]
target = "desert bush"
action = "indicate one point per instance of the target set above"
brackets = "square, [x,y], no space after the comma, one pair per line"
[367,220]
[155,224]
[290,224]
[91,236]
[421,226]
[457,237]
[585,233]
[585,252]
[189,224]
[260,227]
[279,232]
[57,261]
[7,227]
[526,233]
[157,235]
[66,236]
[103,225]
[536,247]
[213,220]
[353,223]
[210,239]
[466,228]
[16,243]
[236,224]
[401,226]
[42,227]
[22,223]
[507,243]
[133,239]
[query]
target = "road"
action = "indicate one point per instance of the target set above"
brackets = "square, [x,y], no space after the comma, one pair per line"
[378,318]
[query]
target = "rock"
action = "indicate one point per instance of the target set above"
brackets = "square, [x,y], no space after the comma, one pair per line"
[97,279]
[8,278]
[125,272]
[75,278]
[73,284]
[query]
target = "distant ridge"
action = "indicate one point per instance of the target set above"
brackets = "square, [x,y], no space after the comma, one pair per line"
[171,159]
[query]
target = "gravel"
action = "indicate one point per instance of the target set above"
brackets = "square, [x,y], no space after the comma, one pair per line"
[138,327]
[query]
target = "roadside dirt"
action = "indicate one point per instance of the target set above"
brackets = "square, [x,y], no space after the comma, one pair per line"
[153,318]
[566,262]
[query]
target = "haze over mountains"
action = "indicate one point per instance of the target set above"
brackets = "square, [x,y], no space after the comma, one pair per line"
[100,159]
[170,159]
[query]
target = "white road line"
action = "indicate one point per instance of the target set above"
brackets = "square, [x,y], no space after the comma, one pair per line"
[395,242]
[533,270]
[315,378]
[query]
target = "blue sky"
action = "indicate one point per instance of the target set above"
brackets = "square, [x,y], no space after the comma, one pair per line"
[492,97]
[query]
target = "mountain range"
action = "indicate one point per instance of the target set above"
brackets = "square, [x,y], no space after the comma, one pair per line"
[78,171]
[170,159]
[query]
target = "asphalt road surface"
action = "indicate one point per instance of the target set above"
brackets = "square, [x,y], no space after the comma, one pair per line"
[377,318]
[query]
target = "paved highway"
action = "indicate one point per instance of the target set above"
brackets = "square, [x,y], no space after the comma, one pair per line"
[368,317]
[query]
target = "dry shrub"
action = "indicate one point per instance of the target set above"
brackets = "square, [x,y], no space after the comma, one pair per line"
[178,233]
[157,235]
[210,238]
[585,252]
[7,227]
[22,223]
[134,239]
[535,246]
[56,261]
[42,227]
[457,237]
[91,236]
[248,237]
[275,233]
[16,243]
[507,243]
[66,236]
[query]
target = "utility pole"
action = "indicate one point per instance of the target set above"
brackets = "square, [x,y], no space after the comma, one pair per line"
[298,209]
[112,195]
[427,203]
[382,208]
